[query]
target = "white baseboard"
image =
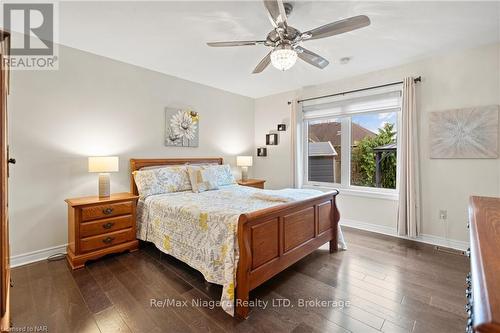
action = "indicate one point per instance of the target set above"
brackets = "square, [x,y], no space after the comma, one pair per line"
[440,241]
[38,255]
[377,228]
[391,231]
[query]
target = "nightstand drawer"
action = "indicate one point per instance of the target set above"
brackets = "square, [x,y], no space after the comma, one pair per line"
[105,225]
[106,240]
[106,210]
[259,185]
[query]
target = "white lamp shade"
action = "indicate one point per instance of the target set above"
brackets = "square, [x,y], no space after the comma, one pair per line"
[244,161]
[103,164]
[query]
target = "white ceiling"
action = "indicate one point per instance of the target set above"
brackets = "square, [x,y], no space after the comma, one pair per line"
[170,37]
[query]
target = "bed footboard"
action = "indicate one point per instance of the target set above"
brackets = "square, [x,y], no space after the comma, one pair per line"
[270,240]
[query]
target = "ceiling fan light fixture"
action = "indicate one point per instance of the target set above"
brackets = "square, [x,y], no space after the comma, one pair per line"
[283,57]
[285,39]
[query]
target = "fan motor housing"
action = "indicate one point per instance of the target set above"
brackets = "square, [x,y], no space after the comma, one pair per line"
[290,34]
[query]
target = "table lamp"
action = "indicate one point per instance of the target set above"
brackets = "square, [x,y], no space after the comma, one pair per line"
[104,165]
[244,162]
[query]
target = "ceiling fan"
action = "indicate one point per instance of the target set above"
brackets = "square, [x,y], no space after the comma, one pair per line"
[285,40]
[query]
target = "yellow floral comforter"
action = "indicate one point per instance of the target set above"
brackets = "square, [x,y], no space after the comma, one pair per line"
[200,228]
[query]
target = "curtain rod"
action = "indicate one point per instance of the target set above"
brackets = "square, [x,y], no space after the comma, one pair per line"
[417,79]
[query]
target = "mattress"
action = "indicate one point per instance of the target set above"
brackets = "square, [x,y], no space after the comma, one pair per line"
[200,228]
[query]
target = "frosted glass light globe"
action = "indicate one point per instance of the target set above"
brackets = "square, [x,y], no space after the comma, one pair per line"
[283,57]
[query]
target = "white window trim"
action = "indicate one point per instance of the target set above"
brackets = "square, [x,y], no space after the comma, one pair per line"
[345,186]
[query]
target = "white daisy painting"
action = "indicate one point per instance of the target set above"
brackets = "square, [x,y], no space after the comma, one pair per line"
[181,127]
[464,133]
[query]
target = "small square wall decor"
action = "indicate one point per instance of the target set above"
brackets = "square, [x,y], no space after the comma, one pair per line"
[272,139]
[181,127]
[281,127]
[464,133]
[261,151]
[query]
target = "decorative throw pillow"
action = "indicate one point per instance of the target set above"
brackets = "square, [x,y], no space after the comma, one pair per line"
[223,174]
[162,180]
[202,179]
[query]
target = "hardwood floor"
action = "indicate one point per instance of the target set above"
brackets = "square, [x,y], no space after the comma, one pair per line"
[386,284]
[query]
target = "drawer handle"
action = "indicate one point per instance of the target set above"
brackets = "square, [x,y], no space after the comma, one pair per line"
[107,211]
[108,240]
[108,225]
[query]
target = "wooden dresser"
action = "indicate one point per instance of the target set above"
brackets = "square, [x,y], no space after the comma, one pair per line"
[97,227]
[483,281]
[257,183]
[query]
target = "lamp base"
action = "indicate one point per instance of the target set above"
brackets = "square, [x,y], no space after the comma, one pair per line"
[244,173]
[104,185]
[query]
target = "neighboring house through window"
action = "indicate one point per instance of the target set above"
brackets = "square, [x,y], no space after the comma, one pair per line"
[352,142]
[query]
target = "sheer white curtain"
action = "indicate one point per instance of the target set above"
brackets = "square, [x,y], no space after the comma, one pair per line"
[409,183]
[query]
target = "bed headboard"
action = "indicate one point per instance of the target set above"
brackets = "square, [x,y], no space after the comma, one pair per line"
[139,163]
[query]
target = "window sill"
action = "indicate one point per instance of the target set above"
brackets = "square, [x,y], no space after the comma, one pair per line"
[356,192]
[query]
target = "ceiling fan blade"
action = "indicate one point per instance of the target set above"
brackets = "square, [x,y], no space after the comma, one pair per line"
[236,43]
[311,57]
[277,13]
[336,28]
[263,64]
[282,11]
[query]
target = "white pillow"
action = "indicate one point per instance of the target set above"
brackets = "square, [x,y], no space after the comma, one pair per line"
[202,179]
[162,180]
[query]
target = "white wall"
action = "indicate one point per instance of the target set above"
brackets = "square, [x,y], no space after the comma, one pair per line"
[96,106]
[462,79]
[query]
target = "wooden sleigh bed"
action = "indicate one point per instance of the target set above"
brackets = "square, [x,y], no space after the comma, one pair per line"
[271,239]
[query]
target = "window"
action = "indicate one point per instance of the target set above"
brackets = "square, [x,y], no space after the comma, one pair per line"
[352,143]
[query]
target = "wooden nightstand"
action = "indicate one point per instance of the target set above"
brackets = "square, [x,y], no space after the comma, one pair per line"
[257,183]
[97,227]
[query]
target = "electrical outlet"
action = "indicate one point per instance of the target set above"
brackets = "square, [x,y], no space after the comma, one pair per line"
[443,214]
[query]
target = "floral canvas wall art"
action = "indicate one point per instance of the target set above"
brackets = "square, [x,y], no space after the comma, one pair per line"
[464,133]
[181,127]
